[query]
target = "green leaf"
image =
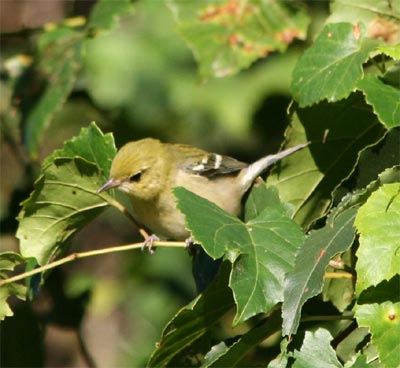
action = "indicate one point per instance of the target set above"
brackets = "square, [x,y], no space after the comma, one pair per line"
[348,347]
[384,324]
[381,18]
[231,356]
[261,197]
[306,280]
[106,13]
[331,68]
[59,64]
[194,320]
[378,222]
[8,261]
[6,291]
[316,351]
[392,51]
[64,197]
[262,250]
[92,145]
[384,99]
[308,178]
[227,37]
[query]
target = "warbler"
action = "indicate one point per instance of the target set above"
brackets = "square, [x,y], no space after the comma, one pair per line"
[148,170]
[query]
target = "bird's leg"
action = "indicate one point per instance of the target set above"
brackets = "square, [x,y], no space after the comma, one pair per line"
[148,243]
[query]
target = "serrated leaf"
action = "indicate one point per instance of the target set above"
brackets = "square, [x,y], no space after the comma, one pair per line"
[384,324]
[92,145]
[261,197]
[331,68]
[316,351]
[6,291]
[381,18]
[392,51]
[229,36]
[306,280]
[64,197]
[106,12]
[378,222]
[384,99]
[60,55]
[262,250]
[194,320]
[308,178]
[231,356]
[8,261]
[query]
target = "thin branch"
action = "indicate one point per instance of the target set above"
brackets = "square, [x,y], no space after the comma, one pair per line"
[338,275]
[74,256]
[327,318]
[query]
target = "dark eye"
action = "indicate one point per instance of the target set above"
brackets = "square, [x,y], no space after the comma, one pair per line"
[135,177]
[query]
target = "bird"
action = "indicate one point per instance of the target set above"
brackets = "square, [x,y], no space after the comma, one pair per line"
[147,170]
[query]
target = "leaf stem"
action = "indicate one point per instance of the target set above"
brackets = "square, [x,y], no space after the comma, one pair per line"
[338,275]
[91,253]
[327,318]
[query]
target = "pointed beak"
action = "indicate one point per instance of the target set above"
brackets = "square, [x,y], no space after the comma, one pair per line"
[110,183]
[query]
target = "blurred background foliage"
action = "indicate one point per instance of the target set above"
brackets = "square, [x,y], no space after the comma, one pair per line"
[140,79]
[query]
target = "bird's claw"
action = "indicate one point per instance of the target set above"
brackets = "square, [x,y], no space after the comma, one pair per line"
[148,243]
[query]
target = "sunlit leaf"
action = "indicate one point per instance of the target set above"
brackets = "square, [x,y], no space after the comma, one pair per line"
[64,197]
[331,68]
[384,324]
[262,250]
[228,36]
[378,223]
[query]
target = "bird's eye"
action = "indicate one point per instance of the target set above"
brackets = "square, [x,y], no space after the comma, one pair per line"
[135,177]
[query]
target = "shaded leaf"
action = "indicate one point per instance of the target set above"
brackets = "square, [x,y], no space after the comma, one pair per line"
[316,351]
[194,320]
[331,68]
[64,197]
[308,178]
[384,324]
[229,36]
[59,65]
[306,280]
[231,356]
[378,222]
[106,12]
[348,348]
[262,250]
[384,99]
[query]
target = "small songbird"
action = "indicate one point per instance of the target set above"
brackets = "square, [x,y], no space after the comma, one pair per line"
[148,170]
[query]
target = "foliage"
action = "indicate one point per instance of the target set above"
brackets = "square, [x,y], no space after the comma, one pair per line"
[309,276]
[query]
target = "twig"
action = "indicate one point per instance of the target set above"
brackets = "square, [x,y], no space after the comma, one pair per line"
[74,256]
[338,275]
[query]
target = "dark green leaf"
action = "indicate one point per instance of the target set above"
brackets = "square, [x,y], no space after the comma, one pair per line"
[378,223]
[64,197]
[193,321]
[227,37]
[308,178]
[316,351]
[383,323]
[331,68]
[306,280]
[384,99]
[262,250]
[60,62]
[232,355]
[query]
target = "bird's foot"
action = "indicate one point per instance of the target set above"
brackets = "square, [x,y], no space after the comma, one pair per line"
[148,243]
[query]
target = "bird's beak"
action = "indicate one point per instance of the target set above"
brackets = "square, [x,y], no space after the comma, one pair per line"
[110,183]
